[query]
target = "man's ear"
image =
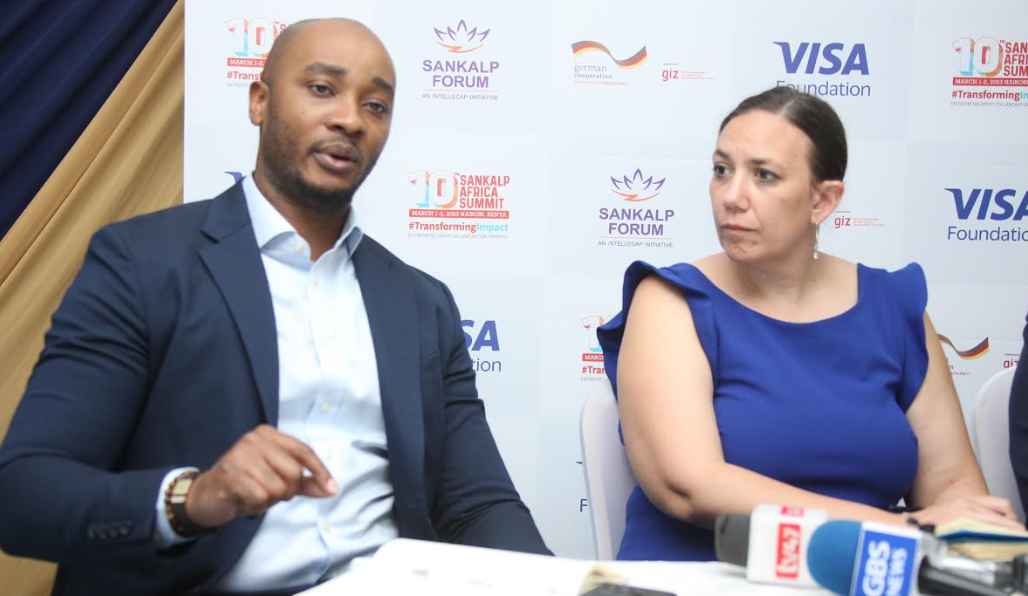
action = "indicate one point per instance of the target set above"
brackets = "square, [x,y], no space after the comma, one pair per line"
[258,101]
[827,196]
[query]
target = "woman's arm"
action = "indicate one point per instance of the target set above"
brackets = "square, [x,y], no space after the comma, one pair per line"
[948,482]
[665,394]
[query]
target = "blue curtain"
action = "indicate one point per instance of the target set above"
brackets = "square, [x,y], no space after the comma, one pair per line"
[59,61]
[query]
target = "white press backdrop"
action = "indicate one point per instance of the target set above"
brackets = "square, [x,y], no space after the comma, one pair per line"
[523,130]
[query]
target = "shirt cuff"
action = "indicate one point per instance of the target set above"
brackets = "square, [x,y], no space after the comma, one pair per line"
[163,535]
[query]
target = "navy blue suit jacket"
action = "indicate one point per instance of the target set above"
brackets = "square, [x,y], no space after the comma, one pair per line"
[163,353]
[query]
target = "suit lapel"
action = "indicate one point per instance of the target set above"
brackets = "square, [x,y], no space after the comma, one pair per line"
[395,330]
[234,261]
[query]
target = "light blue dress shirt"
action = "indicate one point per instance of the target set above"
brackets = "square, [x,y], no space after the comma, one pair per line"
[329,399]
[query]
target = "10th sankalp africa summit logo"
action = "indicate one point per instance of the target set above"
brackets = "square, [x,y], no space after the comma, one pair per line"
[990,72]
[629,219]
[453,204]
[249,41]
[462,69]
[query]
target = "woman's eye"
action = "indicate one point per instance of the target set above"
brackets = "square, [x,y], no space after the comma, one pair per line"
[766,175]
[720,170]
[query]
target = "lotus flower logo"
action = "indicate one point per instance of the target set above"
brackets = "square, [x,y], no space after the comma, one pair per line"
[637,188]
[459,40]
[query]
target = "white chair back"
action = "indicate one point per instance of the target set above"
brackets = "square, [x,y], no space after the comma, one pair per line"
[992,438]
[608,478]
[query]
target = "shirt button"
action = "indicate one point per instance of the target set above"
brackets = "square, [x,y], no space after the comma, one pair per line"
[325,526]
[315,280]
[297,246]
[326,405]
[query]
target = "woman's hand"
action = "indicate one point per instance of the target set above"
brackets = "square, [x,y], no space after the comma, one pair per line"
[988,509]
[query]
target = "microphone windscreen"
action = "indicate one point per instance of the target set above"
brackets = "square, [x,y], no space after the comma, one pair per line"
[832,553]
[732,538]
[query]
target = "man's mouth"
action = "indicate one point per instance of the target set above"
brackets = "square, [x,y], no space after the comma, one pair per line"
[337,157]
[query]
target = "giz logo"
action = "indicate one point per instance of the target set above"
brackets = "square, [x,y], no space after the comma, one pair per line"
[829,56]
[842,222]
[485,336]
[252,38]
[1001,207]
[451,39]
[787,563]
[982,56]
[633,189]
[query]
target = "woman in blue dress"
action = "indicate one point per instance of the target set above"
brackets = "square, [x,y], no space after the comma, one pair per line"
[773,373]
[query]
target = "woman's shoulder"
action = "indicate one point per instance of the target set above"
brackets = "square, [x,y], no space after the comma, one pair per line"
[680,276]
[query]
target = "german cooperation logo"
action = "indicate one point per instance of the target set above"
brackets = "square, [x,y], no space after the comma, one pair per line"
[631,225]
[990,72]
[459,75]
[593,64]
[818,68]
[250,41]
[984,215]
[458,205]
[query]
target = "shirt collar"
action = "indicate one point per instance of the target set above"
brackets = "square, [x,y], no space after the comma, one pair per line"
[269,224]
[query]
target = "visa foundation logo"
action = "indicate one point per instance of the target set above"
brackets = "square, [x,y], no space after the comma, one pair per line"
[449,204]
[635,226]
[592,356]
[990,72]
[825,69]
[250,40]
[463,72]
[996,209]
[847,220]
[483,342]
[596,65]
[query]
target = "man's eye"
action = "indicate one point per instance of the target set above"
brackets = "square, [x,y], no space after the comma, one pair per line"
[377,107]
[320,89]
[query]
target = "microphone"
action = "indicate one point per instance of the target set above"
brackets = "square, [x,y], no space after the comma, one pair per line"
[871,559]
[771,543]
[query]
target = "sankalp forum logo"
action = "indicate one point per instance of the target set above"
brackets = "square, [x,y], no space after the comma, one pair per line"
[635,226]
[985,215]
[825,69]
[458,75]
[598,71]
[448,204]
[990,72]
[250,40]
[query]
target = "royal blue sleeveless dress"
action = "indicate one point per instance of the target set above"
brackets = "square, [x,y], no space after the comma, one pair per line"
[821,406]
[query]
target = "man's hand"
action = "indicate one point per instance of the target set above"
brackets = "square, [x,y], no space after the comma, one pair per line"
[261,469]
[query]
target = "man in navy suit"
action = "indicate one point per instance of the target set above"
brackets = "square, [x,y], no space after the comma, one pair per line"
[243,394]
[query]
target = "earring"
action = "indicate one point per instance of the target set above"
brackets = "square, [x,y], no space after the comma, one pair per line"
[817,235]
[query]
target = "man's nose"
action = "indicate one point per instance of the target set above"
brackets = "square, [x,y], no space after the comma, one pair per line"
[346,116]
